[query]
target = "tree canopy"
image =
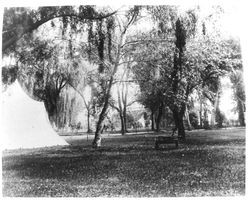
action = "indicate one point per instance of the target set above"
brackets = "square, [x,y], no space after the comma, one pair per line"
[19,20]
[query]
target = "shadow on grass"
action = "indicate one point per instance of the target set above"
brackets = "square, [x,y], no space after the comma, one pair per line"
[201,166]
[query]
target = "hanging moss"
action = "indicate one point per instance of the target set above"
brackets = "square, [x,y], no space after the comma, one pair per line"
[90,38]
[65,24]
[110,27]
[203,28]
[100,45]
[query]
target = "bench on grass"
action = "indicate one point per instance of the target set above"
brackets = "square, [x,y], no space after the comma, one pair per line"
[166,140]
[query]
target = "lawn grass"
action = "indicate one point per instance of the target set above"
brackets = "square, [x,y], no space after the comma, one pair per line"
[210,163]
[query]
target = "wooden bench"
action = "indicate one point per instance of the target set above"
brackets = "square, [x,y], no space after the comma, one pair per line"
[166,140]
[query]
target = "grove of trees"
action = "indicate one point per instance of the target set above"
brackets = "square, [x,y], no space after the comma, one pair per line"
[177,60]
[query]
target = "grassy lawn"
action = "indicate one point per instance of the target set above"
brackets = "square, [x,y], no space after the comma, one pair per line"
[210,163]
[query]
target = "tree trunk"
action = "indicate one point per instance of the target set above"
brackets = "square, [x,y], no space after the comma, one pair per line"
[152,121]
[88,121]
[121,109]
[122,124]
[97,140]
[200,113]
[124,100]
[216,105]
[179,124]
[188,120]
[181,129]
[159,117]
[125,119]
[241,113]
[205,120]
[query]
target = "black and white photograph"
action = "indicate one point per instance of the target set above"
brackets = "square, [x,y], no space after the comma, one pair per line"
[124,100]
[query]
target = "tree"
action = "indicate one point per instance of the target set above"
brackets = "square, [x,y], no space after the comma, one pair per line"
[236,77]
[122,103]
[174,90]
[179,109]
[148,73]
[90,96]
[239,95]
[109,61]
[38,54]
[151,97]
[39,66]
[49,67]
[187,56]
[19,21]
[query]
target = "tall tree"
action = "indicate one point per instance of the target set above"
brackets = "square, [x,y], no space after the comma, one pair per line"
[176,30]
[109,57]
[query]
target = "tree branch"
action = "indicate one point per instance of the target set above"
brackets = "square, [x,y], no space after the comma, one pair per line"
[85,103]
[18,35]
[115,107]
[148,40]
[130,103]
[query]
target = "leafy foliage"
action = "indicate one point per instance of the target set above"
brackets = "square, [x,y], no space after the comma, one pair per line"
[9,75]
[177,58]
